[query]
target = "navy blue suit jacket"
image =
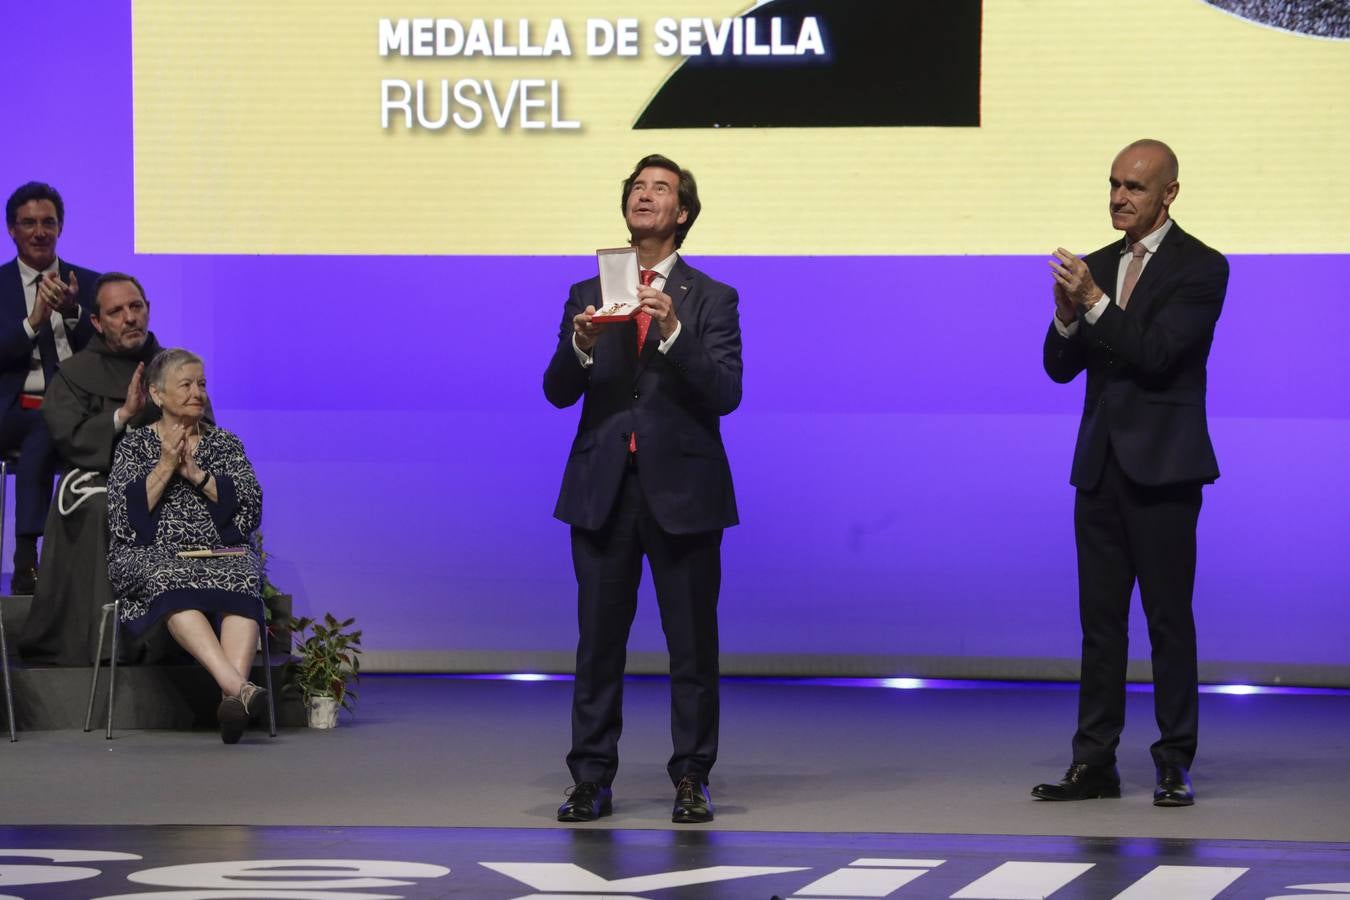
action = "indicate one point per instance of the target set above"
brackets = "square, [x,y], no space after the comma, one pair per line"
[1146,377]
[16,348]
[674,401]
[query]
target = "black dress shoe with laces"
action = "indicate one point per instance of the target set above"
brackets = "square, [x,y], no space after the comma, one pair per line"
[1174,787]
[586,802]
[1082,782]
[693,804]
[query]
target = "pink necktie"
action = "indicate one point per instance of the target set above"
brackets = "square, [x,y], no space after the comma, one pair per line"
[1137,251]
[644,322]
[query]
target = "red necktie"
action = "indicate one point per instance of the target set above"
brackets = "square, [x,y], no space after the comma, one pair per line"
[644,322]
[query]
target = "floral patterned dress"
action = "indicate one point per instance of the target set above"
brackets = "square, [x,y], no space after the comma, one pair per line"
[143,562]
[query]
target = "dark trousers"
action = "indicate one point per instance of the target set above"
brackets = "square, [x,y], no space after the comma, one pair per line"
[1125,531]
[687,574]
[24,430]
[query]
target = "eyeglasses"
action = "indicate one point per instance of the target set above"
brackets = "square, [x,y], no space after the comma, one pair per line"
[30,224]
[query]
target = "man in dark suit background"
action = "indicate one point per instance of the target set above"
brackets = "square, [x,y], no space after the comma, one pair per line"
[44,318]
[1142,455]
[647,475]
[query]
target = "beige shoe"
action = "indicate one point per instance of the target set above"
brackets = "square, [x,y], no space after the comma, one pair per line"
[252,697]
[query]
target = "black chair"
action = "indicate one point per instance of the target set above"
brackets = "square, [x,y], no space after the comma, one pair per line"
[115,609]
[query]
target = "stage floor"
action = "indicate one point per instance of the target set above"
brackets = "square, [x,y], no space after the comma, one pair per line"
[202,862]
[928,787]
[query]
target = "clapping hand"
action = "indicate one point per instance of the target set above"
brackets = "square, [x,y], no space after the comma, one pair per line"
[175,451]
[1065,310]
[59,296]
[53,295]
[135,396]
[171,443]
[1073,278]
[187,463]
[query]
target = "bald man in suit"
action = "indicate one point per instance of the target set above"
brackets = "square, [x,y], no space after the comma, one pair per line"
[1138,316]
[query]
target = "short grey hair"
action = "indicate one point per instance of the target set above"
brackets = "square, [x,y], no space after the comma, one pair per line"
[166,360]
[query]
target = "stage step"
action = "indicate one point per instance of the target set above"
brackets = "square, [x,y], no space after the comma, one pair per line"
[171,696]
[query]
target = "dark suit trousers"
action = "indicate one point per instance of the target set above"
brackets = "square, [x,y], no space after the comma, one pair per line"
[1124,532]
[24,430]
[687,574]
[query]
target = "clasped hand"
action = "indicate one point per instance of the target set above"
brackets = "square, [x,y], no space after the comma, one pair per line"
[54,295]
[175,450]
[1074,286]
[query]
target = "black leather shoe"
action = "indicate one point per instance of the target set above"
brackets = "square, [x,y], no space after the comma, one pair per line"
[1082,782]
[586,802]
[693,804]
[1174,787]
[23,581]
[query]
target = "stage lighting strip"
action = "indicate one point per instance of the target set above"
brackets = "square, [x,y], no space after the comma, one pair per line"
[911,684]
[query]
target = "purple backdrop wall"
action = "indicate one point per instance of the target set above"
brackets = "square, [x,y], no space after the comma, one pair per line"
[903,483]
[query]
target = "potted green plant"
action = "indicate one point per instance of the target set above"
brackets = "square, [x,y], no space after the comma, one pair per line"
[329,661]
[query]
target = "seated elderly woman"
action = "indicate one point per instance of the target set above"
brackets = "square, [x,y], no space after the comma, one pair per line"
[182,485]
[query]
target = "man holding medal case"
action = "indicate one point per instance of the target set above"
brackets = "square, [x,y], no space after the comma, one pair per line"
[647,475]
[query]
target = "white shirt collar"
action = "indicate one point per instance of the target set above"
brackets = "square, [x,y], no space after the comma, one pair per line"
[665,266]
[28,273]
[1152,240]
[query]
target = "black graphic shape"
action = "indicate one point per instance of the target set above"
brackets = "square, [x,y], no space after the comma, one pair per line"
[1320,18]
[886,64]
